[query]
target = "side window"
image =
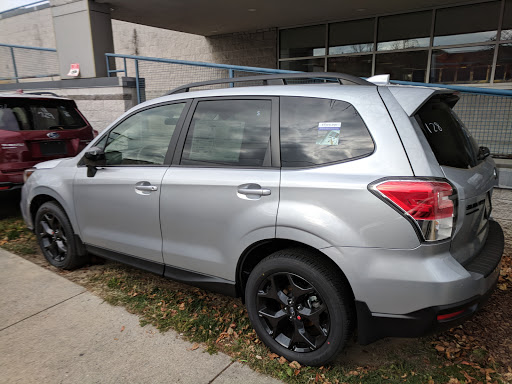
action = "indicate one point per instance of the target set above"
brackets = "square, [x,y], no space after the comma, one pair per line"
[321,131]
[229,132]
[143,138]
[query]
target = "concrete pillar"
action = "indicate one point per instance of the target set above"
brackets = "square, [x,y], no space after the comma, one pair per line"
[83,34]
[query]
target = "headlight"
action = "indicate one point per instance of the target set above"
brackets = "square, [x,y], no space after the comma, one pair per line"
[27,173]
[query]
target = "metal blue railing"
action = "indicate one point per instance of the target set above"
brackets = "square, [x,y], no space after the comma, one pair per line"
[21,62]
[231,69]
[487,113]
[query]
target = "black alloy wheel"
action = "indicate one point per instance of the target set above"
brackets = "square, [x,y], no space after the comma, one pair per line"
[53,237]
[293,312]
[300,306]
[56,237]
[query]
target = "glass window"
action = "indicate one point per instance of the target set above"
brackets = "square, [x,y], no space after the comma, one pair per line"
[309,65]
[468,24]
[462,65]
[451,143]
[506,28]
[302,42]
[411,30]
[40,114]
[319,131]
[353,65]
[504,64]
[351,37]
[143,138]
[229,132]
[405,66]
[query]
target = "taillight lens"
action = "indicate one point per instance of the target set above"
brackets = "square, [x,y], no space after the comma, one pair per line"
[429,203]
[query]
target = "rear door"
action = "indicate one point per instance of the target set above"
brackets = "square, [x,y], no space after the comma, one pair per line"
[473,177]
[222,192]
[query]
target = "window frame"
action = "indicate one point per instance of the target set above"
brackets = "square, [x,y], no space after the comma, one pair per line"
[272,161]
[172,144]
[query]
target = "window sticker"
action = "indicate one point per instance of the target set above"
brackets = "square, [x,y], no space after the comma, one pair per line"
[217,141]
[328,133]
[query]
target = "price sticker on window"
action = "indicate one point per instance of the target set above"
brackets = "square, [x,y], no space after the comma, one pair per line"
[328,133]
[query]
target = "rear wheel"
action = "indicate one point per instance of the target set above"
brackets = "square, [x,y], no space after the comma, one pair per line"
[299,307]
[56,237]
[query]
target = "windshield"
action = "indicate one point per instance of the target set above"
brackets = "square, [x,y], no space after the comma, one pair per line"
[449,139]
[17,114]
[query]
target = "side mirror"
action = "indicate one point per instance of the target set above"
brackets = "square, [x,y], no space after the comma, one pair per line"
[483,152]
[93,157]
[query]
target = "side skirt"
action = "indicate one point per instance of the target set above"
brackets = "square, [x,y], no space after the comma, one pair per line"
[210,283]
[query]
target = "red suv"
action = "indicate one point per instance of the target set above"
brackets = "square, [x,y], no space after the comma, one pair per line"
[36,127]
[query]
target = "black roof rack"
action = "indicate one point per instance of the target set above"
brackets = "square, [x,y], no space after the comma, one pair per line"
[42,93]
[279,79]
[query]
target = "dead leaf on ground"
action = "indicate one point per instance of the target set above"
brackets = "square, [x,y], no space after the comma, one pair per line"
[193,347]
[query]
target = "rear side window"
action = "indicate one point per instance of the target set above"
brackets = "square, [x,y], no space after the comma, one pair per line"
[18,114]
[321,131]
[450,141]
[229,133]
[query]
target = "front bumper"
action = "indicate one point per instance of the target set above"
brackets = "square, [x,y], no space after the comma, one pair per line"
[484,268]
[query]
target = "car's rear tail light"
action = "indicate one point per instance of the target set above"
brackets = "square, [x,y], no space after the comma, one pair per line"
[430,204]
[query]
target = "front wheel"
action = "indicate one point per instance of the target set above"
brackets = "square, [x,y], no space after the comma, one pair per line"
[299,307]
[56,237]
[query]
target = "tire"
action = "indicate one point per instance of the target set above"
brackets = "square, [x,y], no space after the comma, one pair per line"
[299,307]
[56,237]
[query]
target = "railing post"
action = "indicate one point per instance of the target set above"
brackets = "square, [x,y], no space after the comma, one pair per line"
[231,75]
[125,70]
[137,80]
[14,65]
[108,65]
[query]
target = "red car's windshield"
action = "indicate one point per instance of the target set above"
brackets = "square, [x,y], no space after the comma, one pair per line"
[17,114]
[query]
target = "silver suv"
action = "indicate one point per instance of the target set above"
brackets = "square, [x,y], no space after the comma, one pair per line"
[325,207]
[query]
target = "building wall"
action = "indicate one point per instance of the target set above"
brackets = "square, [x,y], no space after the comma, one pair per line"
[32,29]
[502,212]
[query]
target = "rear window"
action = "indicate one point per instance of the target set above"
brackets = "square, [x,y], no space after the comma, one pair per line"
[17,114]
[320,131]
[449,139]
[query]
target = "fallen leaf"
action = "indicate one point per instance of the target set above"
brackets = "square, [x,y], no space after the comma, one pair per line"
[122,328]
[181,307]
[282,360]
[294,365]
[273,355]
[468,378]
[353,373]
[259,357]
[193,348]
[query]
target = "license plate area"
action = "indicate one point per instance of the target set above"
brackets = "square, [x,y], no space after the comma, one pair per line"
[52,148]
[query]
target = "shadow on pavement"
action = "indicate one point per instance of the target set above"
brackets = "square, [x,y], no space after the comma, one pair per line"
[10,203]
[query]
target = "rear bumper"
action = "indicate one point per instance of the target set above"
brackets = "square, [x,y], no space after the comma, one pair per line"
[484,269]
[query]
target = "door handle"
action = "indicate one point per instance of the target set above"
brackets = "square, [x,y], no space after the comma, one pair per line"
[146,188]
[255,191]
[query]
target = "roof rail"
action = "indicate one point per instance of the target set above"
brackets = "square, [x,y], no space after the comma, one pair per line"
[278,79]
[42,93]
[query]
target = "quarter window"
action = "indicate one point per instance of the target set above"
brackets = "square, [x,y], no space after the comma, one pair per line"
[143,138]
[320,131]
[229,132]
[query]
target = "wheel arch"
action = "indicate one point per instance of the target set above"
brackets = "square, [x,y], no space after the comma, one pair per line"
[261,249]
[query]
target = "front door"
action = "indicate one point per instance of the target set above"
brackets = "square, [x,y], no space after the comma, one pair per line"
[221,195]
[118,209]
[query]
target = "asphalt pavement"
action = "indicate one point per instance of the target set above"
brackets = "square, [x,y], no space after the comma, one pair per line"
[55,331]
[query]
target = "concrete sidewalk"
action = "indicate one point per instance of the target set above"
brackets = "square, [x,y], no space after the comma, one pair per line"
[54,331]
